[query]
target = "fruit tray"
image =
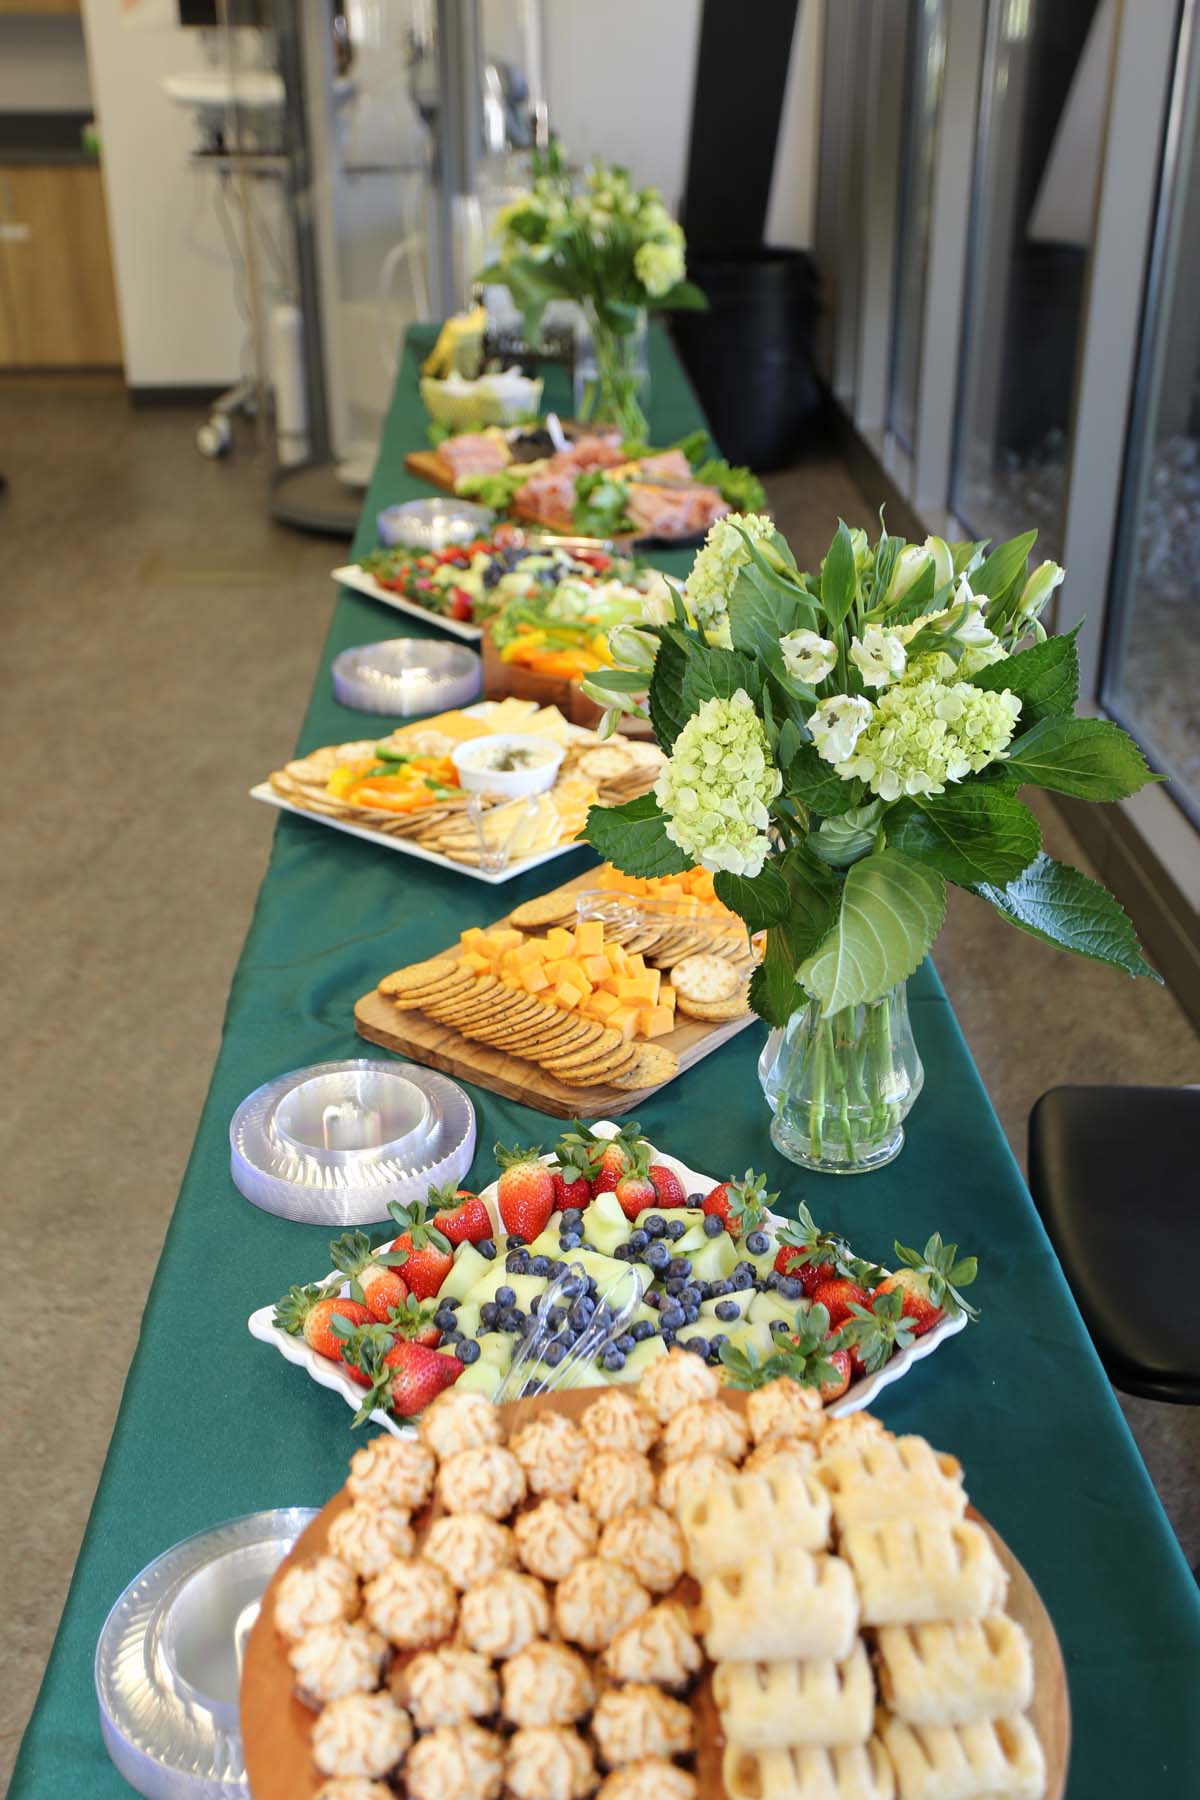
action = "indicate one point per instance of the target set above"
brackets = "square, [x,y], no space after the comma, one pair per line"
[333,1375]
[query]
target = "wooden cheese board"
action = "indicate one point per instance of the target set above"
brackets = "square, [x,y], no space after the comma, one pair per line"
[276,1726]
[423,1040]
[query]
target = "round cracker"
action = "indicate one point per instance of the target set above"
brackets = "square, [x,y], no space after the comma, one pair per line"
[599,1077]
[547,909]
[608,1039]
[418,975]
[706,979]
[651,1065]
[716,1013]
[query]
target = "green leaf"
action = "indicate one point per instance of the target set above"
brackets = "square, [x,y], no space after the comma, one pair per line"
[685,296]
[848,838]
[620,681]
[718,673]
[1045,678]
[839,580]
[761,612]
[812,905]
[811,779]
[891,911]
[968,834]
[668,711]
[634,839]
[1063,906]
[1090,758]
[760,900]
[999,570]
[964,554]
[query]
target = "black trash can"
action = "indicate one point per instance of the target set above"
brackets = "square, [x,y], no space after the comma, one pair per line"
[750,357]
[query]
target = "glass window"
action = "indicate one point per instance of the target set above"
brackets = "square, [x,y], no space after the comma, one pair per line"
[1042,122]
[1151,670]
[926,61]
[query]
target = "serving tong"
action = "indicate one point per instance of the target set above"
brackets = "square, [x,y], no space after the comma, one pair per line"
[615,1308]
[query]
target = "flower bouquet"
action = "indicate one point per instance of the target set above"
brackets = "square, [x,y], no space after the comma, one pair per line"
[614,249]
[840,746]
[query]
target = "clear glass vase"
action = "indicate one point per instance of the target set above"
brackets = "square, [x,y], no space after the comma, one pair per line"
[841,1087]
[612,375]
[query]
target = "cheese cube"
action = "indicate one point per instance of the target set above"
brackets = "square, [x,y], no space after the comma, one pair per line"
[643,987]
[568,996]
[478,965]
[559,942]
[534,977]
[471,938]
[653,1021]
[589,937]
[556,967]
[532,950]
[597,968]
[505,937]
[603,1004]
[625,1020]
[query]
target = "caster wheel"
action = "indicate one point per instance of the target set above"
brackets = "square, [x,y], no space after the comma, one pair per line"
[215,437]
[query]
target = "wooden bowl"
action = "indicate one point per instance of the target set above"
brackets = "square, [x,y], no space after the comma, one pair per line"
[276,1727]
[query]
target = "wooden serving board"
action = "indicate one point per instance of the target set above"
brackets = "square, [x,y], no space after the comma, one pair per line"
[423,1040]
[276,1726]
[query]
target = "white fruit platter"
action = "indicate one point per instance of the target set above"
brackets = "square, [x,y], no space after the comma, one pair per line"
[470,1278]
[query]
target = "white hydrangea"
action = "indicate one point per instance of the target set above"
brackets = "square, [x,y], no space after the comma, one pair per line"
[717,785]
[924,733]
[718,560]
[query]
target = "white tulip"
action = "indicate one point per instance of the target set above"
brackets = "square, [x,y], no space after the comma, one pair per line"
[943,560]
[909,563]
[879,656]
[808,656]
[1038,589]
[837,724]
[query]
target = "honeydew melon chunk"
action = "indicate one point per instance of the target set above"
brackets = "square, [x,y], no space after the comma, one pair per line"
[762,1264]
[495,1347]
[547,1243]
[605,1225]
[757,1337]
[526,1288]
[466,1318]
[469,1267]
[603,1269]
[495,1276]
[694,1238]
[770,1306]
[716,1259]
[646,1351]
[481,1377]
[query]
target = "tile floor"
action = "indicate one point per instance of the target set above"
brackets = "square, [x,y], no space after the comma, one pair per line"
[159,638]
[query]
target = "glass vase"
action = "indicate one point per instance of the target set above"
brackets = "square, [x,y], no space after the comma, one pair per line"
[841,1087]
[611,375]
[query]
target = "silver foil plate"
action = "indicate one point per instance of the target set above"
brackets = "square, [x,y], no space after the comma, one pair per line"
[405,677]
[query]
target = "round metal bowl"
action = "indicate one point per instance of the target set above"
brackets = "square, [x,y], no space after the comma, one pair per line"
[406,677]
[432,524]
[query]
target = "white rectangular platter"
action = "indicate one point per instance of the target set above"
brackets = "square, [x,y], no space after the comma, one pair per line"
[329,1374]
[352,576]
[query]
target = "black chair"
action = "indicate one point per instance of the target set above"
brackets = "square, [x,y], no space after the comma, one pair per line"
[1115,1174]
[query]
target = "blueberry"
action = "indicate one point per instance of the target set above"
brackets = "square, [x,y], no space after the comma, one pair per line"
[515,1241]
[572,1216]
[746,1268]
[717,1288]
[789,1288]
[554,1353]
[742,1280]
[570,1240]
[506,1296]
[727,1310]
[779,1325]
[658,1258]
[625,1342]
[529,1324]
[581,1312]
[676,1228]
[682,1265]
[572,1287]
[623,1253]
[698,1346]
[773,1279]
[712,1225]
[652,1298]
[468,1352]
[672,1317]
[539,1265]
[444,1319]
[674,1286]
[758,1243]
[691,1313]
[447,1300]
[691,1295]
[695,1199]
[668,1338]
[486,1248]
[641,1328]
[613,1358]
[638,1239]
[487,1312]
[716,1340]
[515,1262]
[509,1319]
[556,1317]
[653,1224]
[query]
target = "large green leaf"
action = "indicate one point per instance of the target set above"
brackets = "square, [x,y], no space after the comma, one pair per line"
[760,900]
[634,839]
[1045,678]
[685,296]
[811,779]
[669,712]
[761,612]
[839,580]
[712,673]
[997,572]
[812,907]
[1062,906]
[1090,758]
[892,909]
[968,834]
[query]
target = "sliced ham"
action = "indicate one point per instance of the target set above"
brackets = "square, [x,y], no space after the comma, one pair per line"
[668,465]
[674,512]
[549,496]
[474,453]
[596,451]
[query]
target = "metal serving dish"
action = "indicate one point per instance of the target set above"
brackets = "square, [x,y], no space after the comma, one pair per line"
[432,524]
[406,677]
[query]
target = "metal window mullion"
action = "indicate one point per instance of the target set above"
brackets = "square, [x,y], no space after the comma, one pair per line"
[946,281]
[887,51]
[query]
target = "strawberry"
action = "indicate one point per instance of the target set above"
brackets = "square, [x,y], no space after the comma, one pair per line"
[806,1254]
[414,1321]
[524,1193]
[634,1190]
[813,1356]
[740,1204]
[312,1312]
[463,1223]
[930,1281]
[428,1257]
[374,1280]
[835,1385]
[575,1192]
[668,1188]
[874,1336]
[406,1378]
[838,1297]
[462,606]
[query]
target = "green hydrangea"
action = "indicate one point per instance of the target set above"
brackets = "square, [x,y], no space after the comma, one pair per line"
[718,560]
[717,784]
[658,266]
[925,732]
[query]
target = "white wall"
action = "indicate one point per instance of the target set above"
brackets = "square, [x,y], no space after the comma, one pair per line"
[43,67]
[791,210]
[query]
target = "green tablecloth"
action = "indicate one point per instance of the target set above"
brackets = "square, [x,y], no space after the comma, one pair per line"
[213,1424]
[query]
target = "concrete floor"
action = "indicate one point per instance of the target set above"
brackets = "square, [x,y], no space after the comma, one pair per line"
[160,637]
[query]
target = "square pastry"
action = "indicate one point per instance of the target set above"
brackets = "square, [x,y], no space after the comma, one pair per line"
[771,1705]
[854,1772]
[952,1674]
[997,1759]
[772,1509]
[781,1607]
[890,1478]
[910,1571]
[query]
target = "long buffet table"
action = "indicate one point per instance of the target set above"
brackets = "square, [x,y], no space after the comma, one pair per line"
[213,1424]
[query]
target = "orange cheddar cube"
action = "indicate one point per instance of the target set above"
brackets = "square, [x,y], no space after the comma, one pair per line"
[624,1020]
[532,950]
[597,968]
[642,988]
[478,965]
[653,1021]
[566,994]
[472,937]
[556,967]
[534,977]
[589,937]
[505,937]
[603,1004]
[559,942]
[635,964]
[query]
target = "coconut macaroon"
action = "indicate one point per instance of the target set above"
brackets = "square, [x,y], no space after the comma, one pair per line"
[619,1421]
[547,1684]
[353,1787]
[675,1380]
[783,1409]
[469,1547]
[549,1762]
[639,1720]
[447,1687]
[462,1762]
[650,1543]
[796,1455]
[552,1451]
[615,1481]
[319,1592]
[457,1421]
[400,1470]
[653,1778]
[705,1428]
[690,1476]
[850,1429]
[504,1615]
[362,1734]
[332,1660]
[488,1479]
[369,1535]
[658,1647]
[553,1536]
[596,1601]
[413,1605]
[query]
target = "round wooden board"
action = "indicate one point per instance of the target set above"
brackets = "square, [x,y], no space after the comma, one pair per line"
[276,1726]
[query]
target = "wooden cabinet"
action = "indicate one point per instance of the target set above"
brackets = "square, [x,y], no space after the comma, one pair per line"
[58,304]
